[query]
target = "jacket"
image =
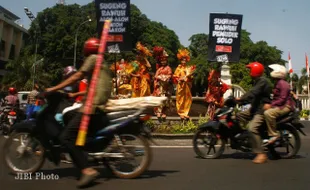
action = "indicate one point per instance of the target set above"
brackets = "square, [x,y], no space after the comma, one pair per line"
[258,95]
[282,95]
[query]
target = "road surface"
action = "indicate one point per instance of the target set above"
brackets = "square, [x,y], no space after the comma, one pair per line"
[179,169]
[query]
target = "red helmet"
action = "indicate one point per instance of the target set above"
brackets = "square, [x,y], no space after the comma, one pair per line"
[91,46]
[12,90]
[256,69]
[68,71]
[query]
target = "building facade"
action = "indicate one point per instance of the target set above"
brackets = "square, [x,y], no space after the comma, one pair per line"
[12,37]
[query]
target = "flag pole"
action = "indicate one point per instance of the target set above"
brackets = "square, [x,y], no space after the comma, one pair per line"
[308,93]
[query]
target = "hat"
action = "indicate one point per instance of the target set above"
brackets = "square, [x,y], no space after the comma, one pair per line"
[183,54]
[142,50]
[159,53]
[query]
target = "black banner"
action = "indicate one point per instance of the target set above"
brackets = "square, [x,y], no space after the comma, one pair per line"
[118,11]
[224,37]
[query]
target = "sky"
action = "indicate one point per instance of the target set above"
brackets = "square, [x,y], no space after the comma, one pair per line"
[282,23]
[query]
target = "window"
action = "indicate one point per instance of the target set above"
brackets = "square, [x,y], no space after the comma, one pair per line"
[2,47]
[24,96]
[12,52]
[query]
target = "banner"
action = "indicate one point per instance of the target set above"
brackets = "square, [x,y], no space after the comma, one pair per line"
[224,37]
[118,11]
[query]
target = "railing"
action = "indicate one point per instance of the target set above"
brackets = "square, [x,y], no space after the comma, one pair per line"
[305,101]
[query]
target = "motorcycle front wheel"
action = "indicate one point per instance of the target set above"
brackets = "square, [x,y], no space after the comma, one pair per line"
[137,156]
[23,153]
[208,145]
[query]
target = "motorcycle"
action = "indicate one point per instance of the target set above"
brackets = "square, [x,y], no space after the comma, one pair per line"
[9,115]
[123,140]
[225,128]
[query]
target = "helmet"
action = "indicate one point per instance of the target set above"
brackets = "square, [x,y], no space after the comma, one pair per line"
[91,46]
[12,90]
[68,71]
[279,71]
[256,69]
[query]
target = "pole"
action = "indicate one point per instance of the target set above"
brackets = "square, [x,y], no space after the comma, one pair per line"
[75,44]
[115,59]
[308,94]
[75,41]
[80,141]
[35,60]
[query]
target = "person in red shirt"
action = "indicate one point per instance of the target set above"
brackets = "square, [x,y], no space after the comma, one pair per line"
[82,90]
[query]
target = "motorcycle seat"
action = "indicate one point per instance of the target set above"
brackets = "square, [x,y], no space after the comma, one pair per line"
[285,118]
[120,114]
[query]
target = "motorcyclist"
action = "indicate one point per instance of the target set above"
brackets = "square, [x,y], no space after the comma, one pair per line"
[73,88]
[12,98]
[259,98]
[97,117]
[282,102]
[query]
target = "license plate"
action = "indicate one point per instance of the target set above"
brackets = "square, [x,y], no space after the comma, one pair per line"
[11,117]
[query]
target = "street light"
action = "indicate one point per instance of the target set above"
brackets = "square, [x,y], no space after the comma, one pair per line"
[32,17]
[75,43]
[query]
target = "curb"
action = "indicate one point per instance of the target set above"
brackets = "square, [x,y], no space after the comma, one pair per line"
[172,136]
[190,136]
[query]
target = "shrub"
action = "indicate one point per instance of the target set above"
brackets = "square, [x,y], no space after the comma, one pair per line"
[184,128]
[304,113]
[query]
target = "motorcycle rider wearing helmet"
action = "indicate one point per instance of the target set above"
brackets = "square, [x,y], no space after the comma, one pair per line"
[98,117]
[282,102]
[259,98]
[12,98]
[76,90]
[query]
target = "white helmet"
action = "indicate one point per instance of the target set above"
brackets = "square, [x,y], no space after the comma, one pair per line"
[279,71]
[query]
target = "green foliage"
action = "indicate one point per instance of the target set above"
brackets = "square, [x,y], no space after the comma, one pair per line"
[22,73]
[57,27]
[177,128]
[184,128]
[203,120]
[249,52]
[304,113]
[199,45]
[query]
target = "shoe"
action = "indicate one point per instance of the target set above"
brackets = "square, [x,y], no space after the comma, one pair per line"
[65,158]
[260,158]
[86,180]
[273,140]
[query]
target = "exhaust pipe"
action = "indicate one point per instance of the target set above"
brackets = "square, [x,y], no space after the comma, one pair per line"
[99,155]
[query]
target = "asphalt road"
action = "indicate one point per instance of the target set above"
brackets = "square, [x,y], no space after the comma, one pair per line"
[179,169]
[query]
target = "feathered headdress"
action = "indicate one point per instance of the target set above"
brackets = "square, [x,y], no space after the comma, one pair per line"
[159,53]
[132,67]
[183,54]
[142,50]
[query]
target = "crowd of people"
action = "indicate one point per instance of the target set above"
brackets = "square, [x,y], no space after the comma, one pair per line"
[133,79]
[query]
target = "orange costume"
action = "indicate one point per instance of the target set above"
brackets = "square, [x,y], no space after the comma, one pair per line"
[141,79]
[216,90]
[183,76]
[162,81]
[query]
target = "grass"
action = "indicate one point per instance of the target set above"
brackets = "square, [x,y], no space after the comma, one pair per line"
[177,128]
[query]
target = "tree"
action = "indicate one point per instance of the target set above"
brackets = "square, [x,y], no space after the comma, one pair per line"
[198,45]
[58,26]
[22,73]
[249,52]
[303,80]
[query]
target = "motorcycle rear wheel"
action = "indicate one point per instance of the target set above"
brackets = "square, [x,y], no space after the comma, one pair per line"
[113,163]
[287,134]
[209,139]
[23,151]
